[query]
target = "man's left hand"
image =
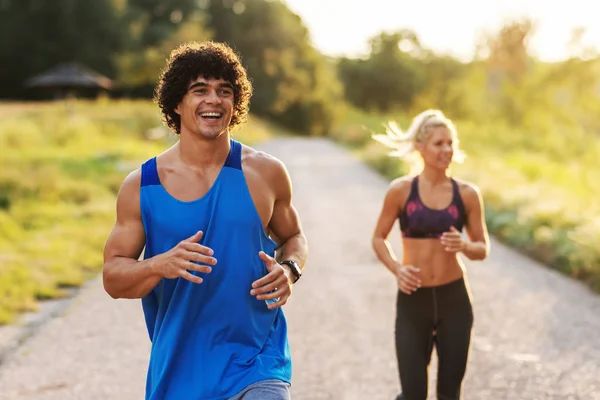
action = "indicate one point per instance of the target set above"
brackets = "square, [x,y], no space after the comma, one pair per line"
[276,284]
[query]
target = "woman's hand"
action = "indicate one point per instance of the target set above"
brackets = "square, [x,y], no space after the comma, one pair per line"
[453,241]
[408,278]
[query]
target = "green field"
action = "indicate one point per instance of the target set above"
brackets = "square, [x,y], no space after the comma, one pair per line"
[540,188]
[61,165]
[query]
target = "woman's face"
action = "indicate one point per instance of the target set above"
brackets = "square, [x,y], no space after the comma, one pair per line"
[438,149]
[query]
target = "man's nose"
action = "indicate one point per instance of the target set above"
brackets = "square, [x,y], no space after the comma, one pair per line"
[213,97]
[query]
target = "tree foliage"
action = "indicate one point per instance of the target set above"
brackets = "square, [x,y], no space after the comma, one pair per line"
[389,78]
[39,34]
[294,84]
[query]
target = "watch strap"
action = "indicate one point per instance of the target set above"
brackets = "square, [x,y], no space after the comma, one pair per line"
[294,267]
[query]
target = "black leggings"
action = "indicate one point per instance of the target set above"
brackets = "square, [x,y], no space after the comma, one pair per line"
[445,310]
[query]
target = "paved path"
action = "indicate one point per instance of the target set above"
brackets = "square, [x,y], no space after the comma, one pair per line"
[536,337]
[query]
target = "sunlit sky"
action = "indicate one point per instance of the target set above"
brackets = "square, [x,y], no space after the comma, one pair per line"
[445,26]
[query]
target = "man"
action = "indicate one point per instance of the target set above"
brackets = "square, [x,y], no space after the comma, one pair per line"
[205,210]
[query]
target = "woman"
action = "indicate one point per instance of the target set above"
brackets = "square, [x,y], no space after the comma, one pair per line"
[433,303]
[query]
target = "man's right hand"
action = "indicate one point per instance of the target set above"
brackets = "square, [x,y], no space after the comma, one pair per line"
[180,259]
[408,279]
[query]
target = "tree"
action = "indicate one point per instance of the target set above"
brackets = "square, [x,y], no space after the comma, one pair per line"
[445,86]
[152,22]
[390,78]
[146,55]
[57,31]
[293,83]
[508,65]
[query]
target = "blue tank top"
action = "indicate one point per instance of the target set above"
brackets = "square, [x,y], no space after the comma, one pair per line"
[210,340]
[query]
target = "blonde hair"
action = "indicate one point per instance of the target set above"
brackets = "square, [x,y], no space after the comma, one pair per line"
[404,144]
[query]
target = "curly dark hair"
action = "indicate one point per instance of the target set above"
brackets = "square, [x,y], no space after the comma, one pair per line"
[209,60]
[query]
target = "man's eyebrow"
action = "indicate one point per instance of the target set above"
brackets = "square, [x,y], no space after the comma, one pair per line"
[197,84]
[204,84]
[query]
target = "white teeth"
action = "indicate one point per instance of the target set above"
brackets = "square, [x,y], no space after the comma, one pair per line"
[211,114]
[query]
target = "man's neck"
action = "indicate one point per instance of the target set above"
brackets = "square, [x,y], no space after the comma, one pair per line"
[198,152]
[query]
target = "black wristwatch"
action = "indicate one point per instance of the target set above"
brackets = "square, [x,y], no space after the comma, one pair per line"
[294,267]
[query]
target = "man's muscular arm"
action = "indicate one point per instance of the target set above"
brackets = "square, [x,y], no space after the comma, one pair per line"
[285,222]
[126,277]
[286,228]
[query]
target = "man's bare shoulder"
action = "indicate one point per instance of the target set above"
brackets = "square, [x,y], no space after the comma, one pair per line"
[263,163]
[131,184]
[269,170]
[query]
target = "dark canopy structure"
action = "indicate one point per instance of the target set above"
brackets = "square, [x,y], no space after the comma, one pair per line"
[65,78]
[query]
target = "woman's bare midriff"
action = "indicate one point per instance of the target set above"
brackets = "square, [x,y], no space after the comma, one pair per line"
[437,266]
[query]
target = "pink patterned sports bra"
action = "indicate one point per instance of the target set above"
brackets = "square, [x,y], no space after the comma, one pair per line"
[421,222]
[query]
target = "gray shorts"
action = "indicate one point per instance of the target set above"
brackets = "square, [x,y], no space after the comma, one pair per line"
[270,389]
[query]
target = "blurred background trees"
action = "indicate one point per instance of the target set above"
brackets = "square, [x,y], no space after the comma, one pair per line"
[296,86]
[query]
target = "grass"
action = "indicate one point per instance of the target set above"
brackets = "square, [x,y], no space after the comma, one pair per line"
[61,166]
[540,188]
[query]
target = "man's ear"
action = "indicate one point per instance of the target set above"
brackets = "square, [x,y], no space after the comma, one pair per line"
[177,111]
